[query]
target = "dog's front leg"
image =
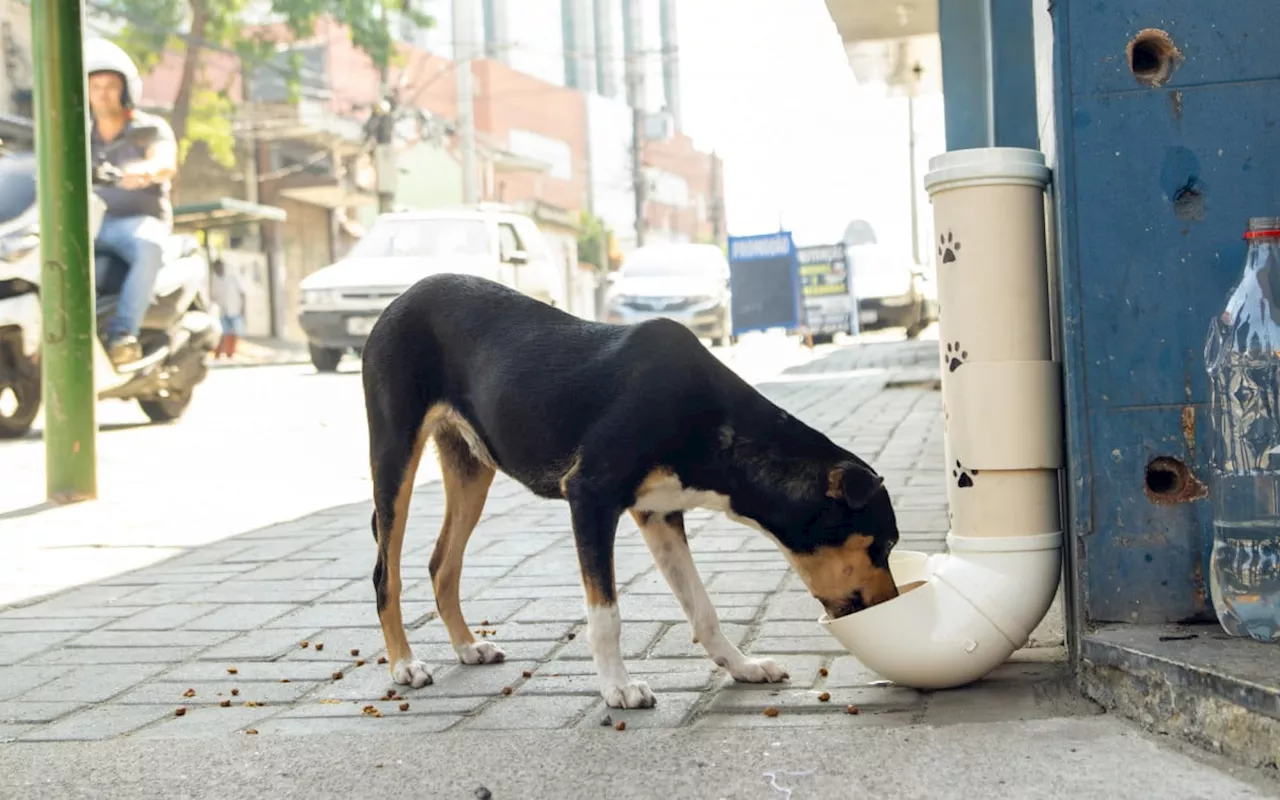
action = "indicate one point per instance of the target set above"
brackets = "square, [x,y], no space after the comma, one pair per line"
[594,528]
[665,536]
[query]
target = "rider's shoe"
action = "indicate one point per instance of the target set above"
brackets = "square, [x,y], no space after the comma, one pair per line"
[123,349]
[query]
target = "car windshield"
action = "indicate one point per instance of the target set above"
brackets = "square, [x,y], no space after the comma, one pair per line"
[437,237]
[672,262]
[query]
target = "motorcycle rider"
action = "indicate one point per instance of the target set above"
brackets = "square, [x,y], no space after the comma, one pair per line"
[139,212]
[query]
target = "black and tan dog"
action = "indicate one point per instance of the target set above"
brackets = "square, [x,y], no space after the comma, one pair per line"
[613,419]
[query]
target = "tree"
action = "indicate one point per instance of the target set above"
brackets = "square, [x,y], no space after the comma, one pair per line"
[202,112]
[593,247]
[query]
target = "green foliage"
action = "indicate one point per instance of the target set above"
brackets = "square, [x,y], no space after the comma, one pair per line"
[202,111]
[593,241]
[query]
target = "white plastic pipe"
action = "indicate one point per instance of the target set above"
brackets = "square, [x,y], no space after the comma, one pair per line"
[1001,400]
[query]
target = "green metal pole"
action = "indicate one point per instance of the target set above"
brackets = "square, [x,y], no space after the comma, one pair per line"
[66,289]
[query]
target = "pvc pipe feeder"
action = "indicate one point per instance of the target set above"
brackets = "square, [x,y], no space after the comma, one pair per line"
[1001,390]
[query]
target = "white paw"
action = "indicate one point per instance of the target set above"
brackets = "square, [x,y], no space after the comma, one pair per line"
[758,670]
[635,694]
[411,673]
[480,653]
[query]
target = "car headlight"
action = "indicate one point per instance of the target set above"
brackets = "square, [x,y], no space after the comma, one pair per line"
[319,297]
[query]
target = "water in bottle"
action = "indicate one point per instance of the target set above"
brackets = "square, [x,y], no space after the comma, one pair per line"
[1242,355]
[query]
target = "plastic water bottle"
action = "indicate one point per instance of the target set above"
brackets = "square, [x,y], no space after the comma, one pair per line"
[1242,355]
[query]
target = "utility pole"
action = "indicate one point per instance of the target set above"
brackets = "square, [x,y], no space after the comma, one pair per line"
[916,72]
[639,181]
[464,45]
[384,157]
[716,203]
[66,250]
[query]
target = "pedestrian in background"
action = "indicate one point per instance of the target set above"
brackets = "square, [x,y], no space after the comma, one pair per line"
[228,293]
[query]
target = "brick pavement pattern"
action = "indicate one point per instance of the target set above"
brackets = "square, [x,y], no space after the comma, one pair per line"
[275,630]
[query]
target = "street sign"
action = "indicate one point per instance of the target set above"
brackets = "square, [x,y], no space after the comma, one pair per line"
[765,282]
[828,299]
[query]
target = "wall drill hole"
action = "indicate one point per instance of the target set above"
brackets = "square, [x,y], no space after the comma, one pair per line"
[1166,477]
[1153,57]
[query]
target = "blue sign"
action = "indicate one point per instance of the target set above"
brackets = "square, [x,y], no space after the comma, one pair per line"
[764,279]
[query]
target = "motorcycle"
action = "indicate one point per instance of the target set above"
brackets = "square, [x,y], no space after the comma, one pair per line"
[180,328]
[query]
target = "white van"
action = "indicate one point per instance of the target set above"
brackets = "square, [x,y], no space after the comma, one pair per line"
[341,302]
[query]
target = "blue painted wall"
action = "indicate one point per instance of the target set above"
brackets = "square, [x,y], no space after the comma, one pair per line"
[1153,188]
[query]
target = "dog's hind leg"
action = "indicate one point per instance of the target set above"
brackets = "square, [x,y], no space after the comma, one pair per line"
[665,536]
[395,451]
[466,486]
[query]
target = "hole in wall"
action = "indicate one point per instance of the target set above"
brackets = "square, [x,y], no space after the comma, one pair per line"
[1153,57]
[1169,480]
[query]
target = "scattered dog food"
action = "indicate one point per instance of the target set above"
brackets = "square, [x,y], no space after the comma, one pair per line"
[355,651]
[483,794]
[359,662]
[621,726]
[771,711]
[225,704]
[232,671]
[179,711]
[372,711]
[251,731]
[333,701]
[606,722]
[337,676]
[391,694]
[382,659]
[319,646]
[252,704]
[284,680]
[484,623]
[851,710]
[235,692]
[506,690]
[824,697]
[570,635]
[526,674]
[305,643]
[823,671]
[404,706]
[189,693]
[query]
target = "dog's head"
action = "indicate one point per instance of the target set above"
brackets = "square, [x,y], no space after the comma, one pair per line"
[843,557]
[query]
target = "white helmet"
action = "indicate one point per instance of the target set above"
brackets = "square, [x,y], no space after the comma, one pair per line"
[101,55]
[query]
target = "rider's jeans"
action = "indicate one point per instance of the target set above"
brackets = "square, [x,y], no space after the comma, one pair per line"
[139,240]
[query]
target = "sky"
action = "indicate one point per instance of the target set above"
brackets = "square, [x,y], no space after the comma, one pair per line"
[771,90]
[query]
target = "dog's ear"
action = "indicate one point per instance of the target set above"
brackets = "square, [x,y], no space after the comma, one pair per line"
[855,484]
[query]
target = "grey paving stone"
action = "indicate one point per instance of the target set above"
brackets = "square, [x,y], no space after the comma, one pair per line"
[389,723]
[16,647]
[283,570]
[119,655]
[691,679]
[498,634]
[888,698]
[239,617]
[102,722]
[673,710]
[636,639]
[499,590]
[515,713]
[482,680]
[108,638]
[263,645]
[793,606]
[20,679]
[269,550]
[214,692]
[747,580]
[796,644]
[302,590]
[338,643]
[70,624]
[348,615]
[165,593]
[441,653]
[203,722]
[91,684]
[664,608]
[249,671]
[554,609]
[849,671]
[637,667]
[835,719]
[36,712]
[677,642]
[328,708]
[10,732]
[162,618]
[90,596]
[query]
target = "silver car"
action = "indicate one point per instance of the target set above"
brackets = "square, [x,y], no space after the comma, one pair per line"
[688,283]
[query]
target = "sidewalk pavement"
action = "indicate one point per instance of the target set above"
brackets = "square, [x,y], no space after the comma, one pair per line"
[261,351]
[273,634]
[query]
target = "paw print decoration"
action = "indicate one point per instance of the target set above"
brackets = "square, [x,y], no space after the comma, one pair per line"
[963,476]
[948,248]
[956,356]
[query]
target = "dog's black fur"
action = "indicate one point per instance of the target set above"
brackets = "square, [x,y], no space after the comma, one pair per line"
[596,413]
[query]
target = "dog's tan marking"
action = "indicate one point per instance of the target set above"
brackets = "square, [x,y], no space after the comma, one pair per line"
[835,484]
[466,487]
[834,573]
[662,491]
[574,466]
[443,415]
[398,649]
